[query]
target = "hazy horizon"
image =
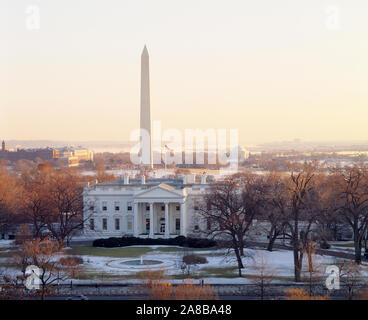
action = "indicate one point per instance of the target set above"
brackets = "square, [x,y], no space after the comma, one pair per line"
[273,70]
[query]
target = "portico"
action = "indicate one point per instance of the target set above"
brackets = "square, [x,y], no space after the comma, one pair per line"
[159,212]
[157,219]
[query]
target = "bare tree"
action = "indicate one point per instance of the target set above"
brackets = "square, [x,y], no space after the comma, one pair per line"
[9,192]
[44,254]
[350,276]
[351,189]
[275,208]
[230,207]
[265,274]
[314,267]
[66,205]
[299,186]
[35,200]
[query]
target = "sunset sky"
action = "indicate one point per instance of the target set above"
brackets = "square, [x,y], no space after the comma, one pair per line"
[272,69]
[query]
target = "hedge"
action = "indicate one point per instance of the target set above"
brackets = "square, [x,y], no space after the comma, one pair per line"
[194,259]
[180,241]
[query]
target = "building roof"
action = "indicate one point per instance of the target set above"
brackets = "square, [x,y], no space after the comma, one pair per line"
[168,182]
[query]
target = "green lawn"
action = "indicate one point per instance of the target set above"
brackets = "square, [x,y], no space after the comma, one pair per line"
[226,272]
[123,252]
[85,275]
[126,252]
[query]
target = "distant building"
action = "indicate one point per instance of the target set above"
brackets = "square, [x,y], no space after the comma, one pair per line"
[67,156]
[72,156]
[45,154]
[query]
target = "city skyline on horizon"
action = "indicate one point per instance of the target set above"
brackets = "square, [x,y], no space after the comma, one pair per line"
[291,78]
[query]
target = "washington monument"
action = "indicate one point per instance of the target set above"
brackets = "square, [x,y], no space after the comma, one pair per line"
[145,125]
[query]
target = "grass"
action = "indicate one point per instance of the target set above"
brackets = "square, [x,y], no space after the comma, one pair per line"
[122,252]
[126,252]
[85,275]
[225,272]
[91,275]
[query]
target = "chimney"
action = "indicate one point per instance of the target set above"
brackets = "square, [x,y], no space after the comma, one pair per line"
[126,179]
[143,179]
[203,178]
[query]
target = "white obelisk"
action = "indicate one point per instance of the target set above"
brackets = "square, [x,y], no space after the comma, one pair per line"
[145,124]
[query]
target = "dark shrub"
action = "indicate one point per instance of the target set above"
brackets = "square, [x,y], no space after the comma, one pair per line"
[324,245]
[199,243]
[194,259]
[180,241]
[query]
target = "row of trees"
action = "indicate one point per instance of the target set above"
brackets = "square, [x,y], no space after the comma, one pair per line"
[50,200]
[305,204]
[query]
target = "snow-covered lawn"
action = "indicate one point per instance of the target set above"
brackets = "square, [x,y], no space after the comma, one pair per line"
[105,264]
[220,268]
[6,243]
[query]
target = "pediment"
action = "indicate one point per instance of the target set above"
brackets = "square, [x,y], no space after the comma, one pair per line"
[162,191]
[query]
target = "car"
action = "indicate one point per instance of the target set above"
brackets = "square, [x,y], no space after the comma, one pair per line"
[77,297]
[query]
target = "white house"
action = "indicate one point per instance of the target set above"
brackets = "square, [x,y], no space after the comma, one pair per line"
[154,208]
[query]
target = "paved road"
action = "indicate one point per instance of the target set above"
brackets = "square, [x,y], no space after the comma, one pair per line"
[142,298]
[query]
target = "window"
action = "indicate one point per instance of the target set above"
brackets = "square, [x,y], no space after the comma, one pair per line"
[177,208]
[162,225]
[104,205]
[117,206]
[147,225]
[147,208]
[196,227]
[177,224]
[117,224]
[129,206]
[92,224]
[196,207]
[92,208]
[130,224]
[162,208]
[104,224]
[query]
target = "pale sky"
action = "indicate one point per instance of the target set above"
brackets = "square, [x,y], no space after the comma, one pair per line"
[275,70]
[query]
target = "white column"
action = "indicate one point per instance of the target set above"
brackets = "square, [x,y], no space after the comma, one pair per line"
[136,220]
[182,227]
[167,224]
[151,220]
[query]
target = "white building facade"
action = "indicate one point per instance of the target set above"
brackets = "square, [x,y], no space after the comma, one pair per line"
[152,208]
